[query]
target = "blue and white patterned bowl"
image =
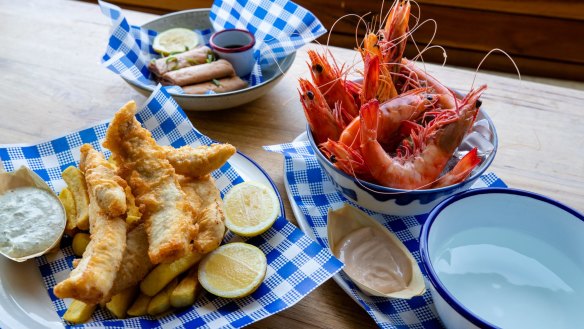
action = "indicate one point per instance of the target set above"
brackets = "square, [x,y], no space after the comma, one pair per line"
[505,258]
[400,202]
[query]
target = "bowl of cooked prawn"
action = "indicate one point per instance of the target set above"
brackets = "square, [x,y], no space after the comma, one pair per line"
[396,141]
[371,195]
[402,154]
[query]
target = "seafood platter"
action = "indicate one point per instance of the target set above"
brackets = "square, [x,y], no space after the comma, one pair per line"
[396,150]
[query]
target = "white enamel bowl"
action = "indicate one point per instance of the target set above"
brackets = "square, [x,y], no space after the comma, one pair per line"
[505,258]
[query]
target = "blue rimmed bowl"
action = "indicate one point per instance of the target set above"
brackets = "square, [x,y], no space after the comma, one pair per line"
[505,258]
[400,202]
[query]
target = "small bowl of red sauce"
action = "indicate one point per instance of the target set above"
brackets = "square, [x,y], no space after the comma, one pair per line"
[235,46]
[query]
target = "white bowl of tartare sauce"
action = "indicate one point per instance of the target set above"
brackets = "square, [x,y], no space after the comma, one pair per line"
[32,219]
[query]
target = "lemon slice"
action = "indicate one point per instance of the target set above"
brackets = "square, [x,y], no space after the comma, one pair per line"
[233,270]
[250,209]
[175,40]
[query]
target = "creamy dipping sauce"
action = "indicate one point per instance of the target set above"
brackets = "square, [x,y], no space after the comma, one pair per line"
[31,220]
[374,260]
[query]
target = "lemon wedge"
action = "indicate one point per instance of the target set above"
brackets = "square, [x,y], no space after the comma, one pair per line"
[250,209]
[175,40]
[233,270]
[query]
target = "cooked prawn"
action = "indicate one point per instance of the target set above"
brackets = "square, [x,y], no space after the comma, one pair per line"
[432,146]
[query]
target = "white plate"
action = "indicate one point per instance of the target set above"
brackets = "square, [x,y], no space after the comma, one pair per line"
[305,227]
[24,301]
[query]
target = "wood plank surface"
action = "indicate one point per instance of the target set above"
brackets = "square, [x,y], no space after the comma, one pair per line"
[542,36]
[570,9]
[53,83]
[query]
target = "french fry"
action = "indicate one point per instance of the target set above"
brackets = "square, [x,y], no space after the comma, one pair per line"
[161,302]
[76,183]
[133,214]
[79,312]
[120,303]
[187,290]
[163,273]
[140,306]
[68,202]
[76,262]
[80,242]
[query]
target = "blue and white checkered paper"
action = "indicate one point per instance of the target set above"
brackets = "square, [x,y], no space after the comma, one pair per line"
[279,26]
[296,264]
[314,194]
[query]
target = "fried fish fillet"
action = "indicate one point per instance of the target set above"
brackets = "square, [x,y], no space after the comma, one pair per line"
[209,219]
[198,161]
[154,182]
[94,276]
[135,262]
[102,182]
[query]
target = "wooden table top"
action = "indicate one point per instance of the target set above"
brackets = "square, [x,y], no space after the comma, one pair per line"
[52,83]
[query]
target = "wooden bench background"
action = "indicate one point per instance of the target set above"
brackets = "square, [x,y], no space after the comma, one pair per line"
[545,38]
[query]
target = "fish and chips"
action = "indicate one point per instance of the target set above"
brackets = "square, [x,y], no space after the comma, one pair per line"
[153,212]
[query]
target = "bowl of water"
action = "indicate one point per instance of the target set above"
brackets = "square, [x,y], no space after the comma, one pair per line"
[505,258]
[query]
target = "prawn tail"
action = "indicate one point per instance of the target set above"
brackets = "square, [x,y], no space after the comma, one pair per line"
[370,78]
[461,171]
[350,135]
[369,120]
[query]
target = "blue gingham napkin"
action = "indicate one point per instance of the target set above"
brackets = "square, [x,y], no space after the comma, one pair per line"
[279,26]
[296,264]
[314,194]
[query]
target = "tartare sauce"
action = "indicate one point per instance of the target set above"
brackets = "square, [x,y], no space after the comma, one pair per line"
[31,220]
[374,260]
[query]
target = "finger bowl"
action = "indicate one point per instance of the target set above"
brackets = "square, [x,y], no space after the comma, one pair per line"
[400,202]
[198,19]
[505,258]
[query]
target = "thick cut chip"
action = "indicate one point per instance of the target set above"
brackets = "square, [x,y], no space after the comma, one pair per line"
[76,184]
[162,274]
[79,312]
[68,202]
[187,290]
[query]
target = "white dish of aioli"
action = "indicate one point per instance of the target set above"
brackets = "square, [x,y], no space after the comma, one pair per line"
[31,219]
[24,301]
[305,227]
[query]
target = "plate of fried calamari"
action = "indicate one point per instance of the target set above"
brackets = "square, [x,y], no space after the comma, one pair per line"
[143,194]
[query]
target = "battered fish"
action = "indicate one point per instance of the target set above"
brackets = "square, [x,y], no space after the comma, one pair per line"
[94,276]
[154,182]
[198,161]
[135,262]
[209,219]
[106,187]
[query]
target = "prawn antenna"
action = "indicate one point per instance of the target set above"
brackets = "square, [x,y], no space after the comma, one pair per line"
[487,55]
